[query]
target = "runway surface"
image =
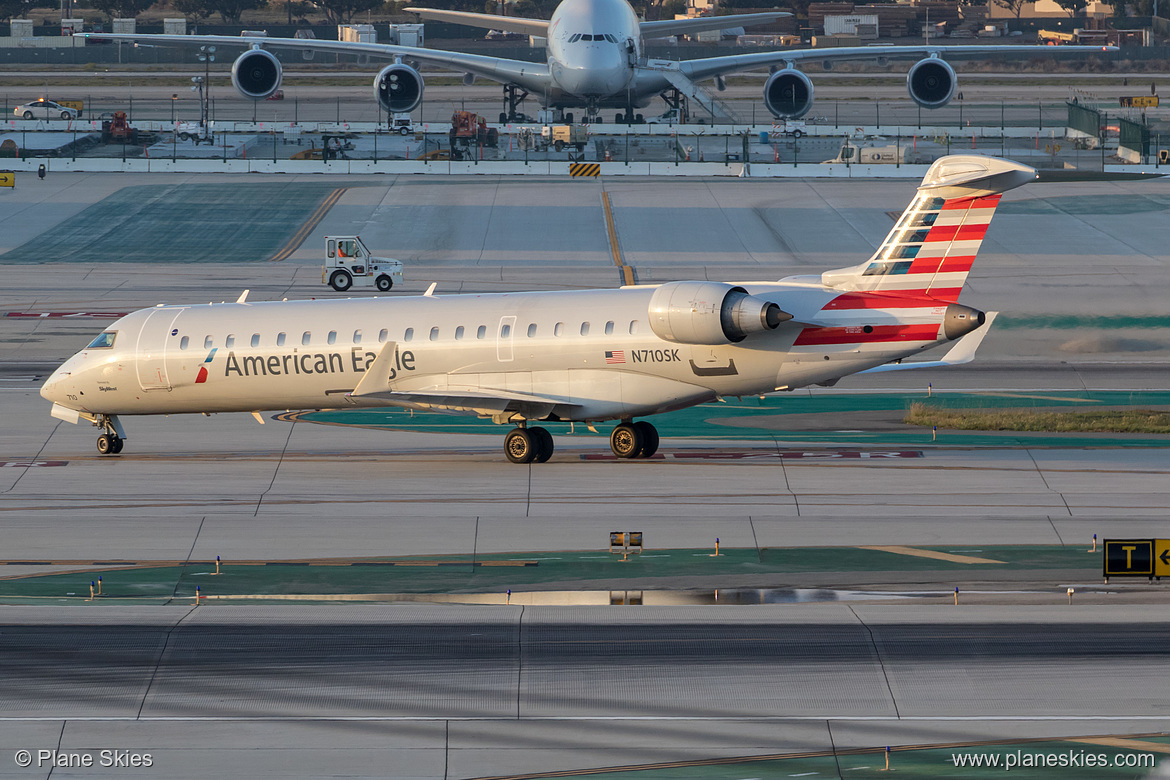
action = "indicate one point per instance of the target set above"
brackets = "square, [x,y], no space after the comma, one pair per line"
[1078,270]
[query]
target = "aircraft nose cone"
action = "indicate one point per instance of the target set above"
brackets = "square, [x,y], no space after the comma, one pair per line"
[53,389]
[596,72]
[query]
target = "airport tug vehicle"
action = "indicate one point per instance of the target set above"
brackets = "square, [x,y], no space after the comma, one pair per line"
[349,264]
[563,356]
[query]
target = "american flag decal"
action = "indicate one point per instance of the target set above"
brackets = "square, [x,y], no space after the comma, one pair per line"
[616,356]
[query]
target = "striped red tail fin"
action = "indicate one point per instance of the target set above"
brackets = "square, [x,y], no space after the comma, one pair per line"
[930,251]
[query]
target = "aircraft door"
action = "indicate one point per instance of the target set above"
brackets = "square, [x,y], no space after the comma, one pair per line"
[504,335]
[151,351]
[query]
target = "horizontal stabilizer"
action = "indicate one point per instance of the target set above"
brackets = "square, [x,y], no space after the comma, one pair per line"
[962,352]
[515,24]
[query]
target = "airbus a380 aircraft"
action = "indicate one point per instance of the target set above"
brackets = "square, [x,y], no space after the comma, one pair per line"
[584,356]
[596,59]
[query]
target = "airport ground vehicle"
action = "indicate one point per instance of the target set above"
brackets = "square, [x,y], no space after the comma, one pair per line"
[872,152]
[45,109]
[560,136]
[349,264]
[565,355]
[402,124]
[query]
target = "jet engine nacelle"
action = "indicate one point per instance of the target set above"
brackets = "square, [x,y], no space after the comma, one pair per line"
[788,94]
[399,88]
[931,83]
[256,74]
[710,313]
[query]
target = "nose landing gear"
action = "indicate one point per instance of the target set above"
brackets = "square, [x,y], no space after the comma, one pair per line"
[110,442]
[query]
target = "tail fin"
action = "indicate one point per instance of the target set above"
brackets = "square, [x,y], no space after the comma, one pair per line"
[931,248]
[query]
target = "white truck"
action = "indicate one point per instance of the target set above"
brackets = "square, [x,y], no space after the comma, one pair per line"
[348,264]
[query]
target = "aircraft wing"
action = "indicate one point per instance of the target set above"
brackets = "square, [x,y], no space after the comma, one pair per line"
[962,352]
[516,24]
[533,76]
[478,401]
[710,67]
[668,27]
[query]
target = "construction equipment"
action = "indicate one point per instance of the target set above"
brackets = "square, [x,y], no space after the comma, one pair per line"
[560,136]
[117,130]
[469,128]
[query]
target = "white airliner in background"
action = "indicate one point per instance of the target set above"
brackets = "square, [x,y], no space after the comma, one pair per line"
[596,59]
[583,356]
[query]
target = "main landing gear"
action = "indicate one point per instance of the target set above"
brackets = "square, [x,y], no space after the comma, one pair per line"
[535,445]
[110,442]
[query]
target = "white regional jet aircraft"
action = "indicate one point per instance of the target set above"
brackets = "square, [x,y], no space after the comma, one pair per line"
[583,356]
[596,59]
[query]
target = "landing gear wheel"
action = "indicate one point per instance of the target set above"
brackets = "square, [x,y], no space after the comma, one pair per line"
[544,442]
[384,283]
[568,117]
[520,446]
[503,118]
[117,445]
[619,119]
[341,281]
[106,444]
[625,441]
[649,439]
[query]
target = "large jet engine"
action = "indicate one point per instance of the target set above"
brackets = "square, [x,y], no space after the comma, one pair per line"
[710,313]
[788,94]
[931,82]
[399,88]
[256,74]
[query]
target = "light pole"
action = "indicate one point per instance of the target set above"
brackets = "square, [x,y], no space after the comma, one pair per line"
[198,82]
[206,56]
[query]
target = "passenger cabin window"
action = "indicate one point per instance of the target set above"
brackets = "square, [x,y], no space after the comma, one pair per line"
[280,339]
[207,342]
[633,327]
[505,331]
[306,337]
[609,328]
[408,335]
[383,334]
[332,337]
[559,329]
[434,334]
[584,328]
[357,337]
[532,330]
[459,333]
[481,331]
[103,340]
[255,339]
[183,342]
[230,341]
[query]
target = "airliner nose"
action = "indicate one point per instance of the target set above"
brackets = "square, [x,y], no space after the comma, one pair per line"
[596,71]
[53,388]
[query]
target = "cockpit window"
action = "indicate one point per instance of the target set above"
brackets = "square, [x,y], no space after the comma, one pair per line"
[576,37]
[103,340]
[610,38]
[586,37]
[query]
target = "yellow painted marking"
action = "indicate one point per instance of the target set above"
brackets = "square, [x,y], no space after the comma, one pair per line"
[1129,744]
[615,249]
[299,238]
[7,178]
[938,556]
[1043,397]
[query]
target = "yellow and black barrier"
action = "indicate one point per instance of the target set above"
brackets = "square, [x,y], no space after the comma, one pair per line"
[584,169]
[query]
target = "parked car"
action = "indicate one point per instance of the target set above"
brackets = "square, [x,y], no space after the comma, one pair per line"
[46,109]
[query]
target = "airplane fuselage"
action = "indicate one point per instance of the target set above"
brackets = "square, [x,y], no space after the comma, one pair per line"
[594,47]
[592,352]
